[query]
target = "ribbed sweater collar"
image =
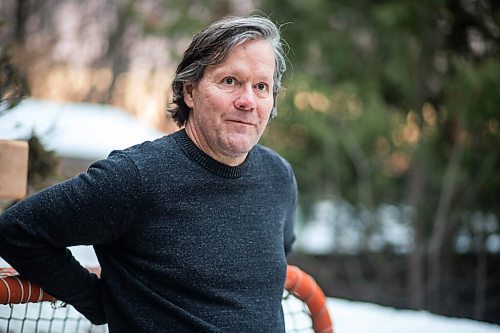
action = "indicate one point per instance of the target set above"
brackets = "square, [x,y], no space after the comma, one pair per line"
[206,161]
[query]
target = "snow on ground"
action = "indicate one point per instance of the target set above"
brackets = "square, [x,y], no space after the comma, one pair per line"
[358,317]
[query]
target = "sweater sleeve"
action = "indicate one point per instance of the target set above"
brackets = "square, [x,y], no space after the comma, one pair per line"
[91,208]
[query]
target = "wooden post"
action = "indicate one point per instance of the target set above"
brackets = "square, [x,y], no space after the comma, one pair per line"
[13,169]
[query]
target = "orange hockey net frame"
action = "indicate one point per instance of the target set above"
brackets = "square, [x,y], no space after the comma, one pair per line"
[304,307]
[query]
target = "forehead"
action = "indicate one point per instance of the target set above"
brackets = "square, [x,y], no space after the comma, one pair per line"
[256,56]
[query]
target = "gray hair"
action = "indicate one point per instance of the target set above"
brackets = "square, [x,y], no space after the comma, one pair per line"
[212,45]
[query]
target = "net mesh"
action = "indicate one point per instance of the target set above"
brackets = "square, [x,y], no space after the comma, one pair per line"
[46,317]
[296,314]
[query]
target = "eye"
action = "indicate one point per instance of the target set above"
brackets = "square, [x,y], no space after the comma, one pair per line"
[229,81]
[261,86]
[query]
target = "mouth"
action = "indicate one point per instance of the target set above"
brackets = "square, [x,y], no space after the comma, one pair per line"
[241,122]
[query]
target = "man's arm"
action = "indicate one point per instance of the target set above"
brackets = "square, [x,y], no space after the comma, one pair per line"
[91,208]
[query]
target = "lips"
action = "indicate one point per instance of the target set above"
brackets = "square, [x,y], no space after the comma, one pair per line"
[242,121]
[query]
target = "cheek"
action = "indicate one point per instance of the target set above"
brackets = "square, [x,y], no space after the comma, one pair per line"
[210,107]
[265,109]
[213,100]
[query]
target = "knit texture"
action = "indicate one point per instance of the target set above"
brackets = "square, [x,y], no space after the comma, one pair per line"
[185,243]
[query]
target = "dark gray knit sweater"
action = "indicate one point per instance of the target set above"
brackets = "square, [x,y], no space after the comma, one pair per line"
[185,244]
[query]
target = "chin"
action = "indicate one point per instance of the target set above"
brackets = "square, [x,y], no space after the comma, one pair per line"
[238,148]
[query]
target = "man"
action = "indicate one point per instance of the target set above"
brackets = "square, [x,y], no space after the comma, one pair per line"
[191,230]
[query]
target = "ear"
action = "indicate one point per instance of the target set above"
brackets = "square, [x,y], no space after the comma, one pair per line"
[187,90]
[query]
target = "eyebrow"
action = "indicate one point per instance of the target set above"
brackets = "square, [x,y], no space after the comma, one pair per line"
[222,72]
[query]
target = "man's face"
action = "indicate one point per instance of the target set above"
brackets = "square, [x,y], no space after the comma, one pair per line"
[232,103]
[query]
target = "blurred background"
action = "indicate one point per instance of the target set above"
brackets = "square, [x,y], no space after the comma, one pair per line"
[389,116]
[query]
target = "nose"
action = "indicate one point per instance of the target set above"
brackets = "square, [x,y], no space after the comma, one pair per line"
[245,100]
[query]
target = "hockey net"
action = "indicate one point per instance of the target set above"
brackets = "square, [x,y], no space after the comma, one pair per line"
[25,307]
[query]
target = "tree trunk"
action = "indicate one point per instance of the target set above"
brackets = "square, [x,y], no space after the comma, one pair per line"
[415,280]
[21,18]
[480,279]
[441,223]
[116,47]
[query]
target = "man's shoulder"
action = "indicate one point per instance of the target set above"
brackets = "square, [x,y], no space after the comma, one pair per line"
[271,158]
[147,155]
[150,149]
[267,152]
